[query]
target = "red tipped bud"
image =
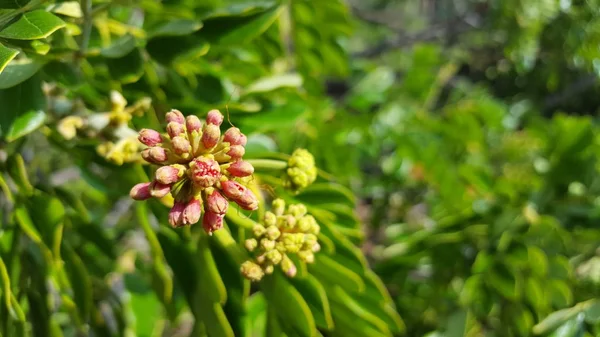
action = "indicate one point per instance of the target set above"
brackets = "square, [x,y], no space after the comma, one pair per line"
[241,169]
[168,174]
[204,172]
[236,151]
[175,129]
[155,155]
[140,191]
[175,116]
[181,145]
[211,135]
[248,201]
[176,214]
[217,203]
[235,137]
[193,123]
[212,222]
[232,189]
[192,211]
[149,137]
[159,190]
[214,117]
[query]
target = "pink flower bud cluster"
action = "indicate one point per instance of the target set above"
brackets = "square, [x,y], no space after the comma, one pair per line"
[202,169]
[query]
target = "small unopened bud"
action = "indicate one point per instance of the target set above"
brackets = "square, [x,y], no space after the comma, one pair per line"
[212,222]
[149,137]
[236,152]
[181,145]
[155,155]
[233,190]
[269,269]
[251,244]
[140,191]
[241,169]
[306,256]
[159,190]
[210,136]
[290,221]
[176,214]
[278,206]
[316,247]
[175,129]
[214,117]
[251,271]
[274,256]
[267,244]
[204,172]
[258,230]
[248,201]
[288,266]
[192,211]
[305,223]
[235,137]
[273,232]
[175,116]
[270,219]
[193,123]
[217,203]
[168,174]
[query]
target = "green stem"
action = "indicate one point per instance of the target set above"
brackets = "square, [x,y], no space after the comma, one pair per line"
[6,189]
[268,164]
[86,9]
[226,241]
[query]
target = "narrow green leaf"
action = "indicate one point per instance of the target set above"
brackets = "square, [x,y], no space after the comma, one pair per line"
[33,25]
[80,282]
[26,224]
[319,193]
[18,173]
[289,305]
[6,55]
[330,271]
[5,286]
[177,27]
[22,108]
[210,280]
[337,294]
[316,298]
[25,124]
[67,8]
[120,47]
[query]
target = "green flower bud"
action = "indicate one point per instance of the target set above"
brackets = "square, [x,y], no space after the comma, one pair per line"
[274,256]
[305,223]
[273,232]
[258,230]
[251,244]
[267,244]
[301,170]
[288,266]
[251,271]
[298,210]
[269,269]
[270,219]
[306,256]
[278,206]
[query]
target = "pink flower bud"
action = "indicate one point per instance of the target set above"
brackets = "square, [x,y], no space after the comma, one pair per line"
[175,129]
[214,117]
[248,201]
[192,211]
[175,116]
[232,189]
[217,203]
[193,123]
[211,135]
[212,222]
[168,174]
[181,145]
[204,172]
[149,137]
[176,214]
[140,191]
[159,190]
[236,151]
[155,155]
[241,169]
[235,137]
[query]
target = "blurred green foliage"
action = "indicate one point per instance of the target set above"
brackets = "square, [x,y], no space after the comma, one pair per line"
[456,142]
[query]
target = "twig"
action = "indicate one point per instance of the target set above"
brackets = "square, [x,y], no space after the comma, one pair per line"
[86,9]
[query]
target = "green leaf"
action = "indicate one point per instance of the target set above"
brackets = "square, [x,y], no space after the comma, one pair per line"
[234,30]
[319,193]
[63,73]
[21,111]
[210,281]
[17,72]
[6,55]
[559,293]
[67,8]
[338,295]
[127,69]
[13,4]
[256,319]
[80,281]
[18,172]
[274,82]
[313,292]
[330,271]
[178,27]
[538,261]
[290,307]
[34,25]
[120,47]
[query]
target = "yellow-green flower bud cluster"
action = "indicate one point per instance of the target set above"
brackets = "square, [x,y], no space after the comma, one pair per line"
[301,170]
[282,232]
[118,142]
